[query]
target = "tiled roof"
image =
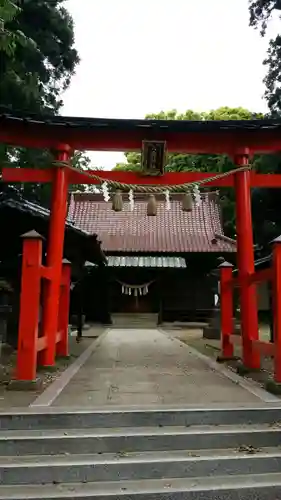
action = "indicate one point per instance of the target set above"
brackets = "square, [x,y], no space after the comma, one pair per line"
[36,217]
[171,231]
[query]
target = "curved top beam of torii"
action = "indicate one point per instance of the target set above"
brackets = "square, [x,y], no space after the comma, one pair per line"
[221,137]
[214,137]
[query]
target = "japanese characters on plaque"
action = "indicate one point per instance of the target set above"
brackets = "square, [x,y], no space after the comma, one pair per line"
[153,157]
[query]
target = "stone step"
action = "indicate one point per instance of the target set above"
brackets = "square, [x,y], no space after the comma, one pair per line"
[134,320]
[138,321]
[116,440]
[55,418]
[135,326]
[156,454]
[134,315]
[136,466]
[246,487]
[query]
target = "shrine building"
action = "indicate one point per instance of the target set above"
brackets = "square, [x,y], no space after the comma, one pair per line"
[159,264]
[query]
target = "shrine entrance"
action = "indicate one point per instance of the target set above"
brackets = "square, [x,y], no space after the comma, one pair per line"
[240,140]
[135,304]
[134,291]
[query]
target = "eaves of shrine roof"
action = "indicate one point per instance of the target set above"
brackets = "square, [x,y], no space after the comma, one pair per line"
[19,215]
[169,232]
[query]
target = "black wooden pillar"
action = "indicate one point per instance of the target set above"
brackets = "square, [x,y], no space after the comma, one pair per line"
[106,279]
[160,285]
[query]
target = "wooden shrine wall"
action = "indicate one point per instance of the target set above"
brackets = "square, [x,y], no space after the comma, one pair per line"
[175,294]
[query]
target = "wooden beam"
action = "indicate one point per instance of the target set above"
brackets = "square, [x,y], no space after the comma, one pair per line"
[171,178]
[264,348]
[229,141]
[42,341]
[46,272]
[257,277]
[41,344]
[174,178]
[260,346]
[265,180]
[27,175]
[261,275]
[236,339]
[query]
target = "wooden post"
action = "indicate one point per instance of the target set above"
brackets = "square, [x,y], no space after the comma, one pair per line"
[277,308]
[54,256]
[226,309]
[29,307]
[62,346]
[246,265]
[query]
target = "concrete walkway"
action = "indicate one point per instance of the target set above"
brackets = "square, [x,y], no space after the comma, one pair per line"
[148,367]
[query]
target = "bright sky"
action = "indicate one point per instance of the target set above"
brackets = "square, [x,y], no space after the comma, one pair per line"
[142,56]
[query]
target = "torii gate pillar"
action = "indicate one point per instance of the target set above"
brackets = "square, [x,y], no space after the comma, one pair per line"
[51,293]
[246,264]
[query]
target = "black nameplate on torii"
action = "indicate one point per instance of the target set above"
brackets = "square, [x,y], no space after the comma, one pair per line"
[153,157]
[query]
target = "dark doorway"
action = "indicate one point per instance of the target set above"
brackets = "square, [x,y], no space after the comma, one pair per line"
[137,304]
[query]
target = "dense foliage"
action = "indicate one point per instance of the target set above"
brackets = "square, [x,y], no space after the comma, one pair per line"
[38,57]
[266,202]
[261,11]
[37,60]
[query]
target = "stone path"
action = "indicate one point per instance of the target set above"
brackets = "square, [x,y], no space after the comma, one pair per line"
[147,367]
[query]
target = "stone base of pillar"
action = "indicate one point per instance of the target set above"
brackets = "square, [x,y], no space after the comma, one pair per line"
[213,330]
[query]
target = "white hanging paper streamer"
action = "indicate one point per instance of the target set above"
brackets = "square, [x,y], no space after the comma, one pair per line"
[135,290]
[168,201]
[71,209]
[131,200]
[197,197]
[105,192]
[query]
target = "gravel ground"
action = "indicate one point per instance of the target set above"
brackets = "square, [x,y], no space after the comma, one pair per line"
[211,348]
[45,377]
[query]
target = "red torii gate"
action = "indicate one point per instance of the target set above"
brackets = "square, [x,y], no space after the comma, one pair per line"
[238,139]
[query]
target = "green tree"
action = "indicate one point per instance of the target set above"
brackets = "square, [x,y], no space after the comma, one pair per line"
[37,60]
[8,40]
[34,74]
[182,162]
[261,12]
[208,162]
[266,202]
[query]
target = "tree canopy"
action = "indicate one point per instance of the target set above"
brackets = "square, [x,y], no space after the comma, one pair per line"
[261,11]
[37,60]
[266,213]
[34,73]
[182,162]
[8,40]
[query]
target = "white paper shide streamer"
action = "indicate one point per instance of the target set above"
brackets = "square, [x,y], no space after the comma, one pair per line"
[136,290]
[167,198]
[131,200]
[105,192]
[196,195]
